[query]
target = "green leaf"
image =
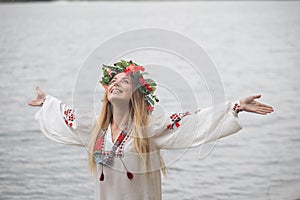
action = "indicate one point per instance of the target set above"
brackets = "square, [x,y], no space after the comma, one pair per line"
[119,64]
[124,63]
[154,88]
[150,82]
[106,79]
[143,90]
[145,73]
[105,73]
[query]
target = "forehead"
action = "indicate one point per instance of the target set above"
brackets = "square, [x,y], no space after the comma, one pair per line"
[121,75]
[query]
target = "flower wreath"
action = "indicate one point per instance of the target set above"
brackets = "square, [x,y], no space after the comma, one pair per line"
[146,86]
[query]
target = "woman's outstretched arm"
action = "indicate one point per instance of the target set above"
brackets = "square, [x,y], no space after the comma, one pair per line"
[191,129]
[62,123]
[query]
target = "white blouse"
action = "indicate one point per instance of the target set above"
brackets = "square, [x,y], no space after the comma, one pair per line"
[66,125]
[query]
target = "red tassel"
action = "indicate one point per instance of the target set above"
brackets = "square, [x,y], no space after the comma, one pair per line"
[102,177]
[130,175]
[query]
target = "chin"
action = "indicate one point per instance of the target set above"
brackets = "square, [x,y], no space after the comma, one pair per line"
[118,100]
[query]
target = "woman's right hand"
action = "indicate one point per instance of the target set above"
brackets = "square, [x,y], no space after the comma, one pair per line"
[39,99]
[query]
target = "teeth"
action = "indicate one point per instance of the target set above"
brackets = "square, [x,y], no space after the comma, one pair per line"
[116,90]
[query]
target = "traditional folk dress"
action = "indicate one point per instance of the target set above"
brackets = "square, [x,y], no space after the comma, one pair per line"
[66,125]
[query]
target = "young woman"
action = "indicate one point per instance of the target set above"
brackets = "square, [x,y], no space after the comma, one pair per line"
[124,142]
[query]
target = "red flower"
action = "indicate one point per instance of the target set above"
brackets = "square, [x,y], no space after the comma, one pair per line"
[133,68]
[129,69]
[142,81]
[149,88]
[150,108]
[138,67]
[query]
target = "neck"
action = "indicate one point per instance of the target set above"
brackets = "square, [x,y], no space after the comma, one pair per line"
[120,116]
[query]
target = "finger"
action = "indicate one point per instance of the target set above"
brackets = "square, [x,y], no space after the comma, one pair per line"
[257,96]
[34,103]
[260,112]
[40,93]
[38,89]
[266,110]
[264,105]
[267,107]
[31,104]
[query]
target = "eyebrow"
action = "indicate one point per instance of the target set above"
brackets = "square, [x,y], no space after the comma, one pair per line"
[121,79]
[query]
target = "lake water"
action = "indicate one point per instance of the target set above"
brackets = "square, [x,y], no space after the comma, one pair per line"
[254,45]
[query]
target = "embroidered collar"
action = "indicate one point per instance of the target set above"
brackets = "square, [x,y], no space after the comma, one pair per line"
[105,158]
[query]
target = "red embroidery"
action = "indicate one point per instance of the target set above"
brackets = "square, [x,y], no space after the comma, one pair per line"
[121,137]
[176,118]
[237,108]
[99,144]
[69,116]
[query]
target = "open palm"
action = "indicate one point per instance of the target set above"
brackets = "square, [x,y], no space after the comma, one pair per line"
[249,104]
[39,99]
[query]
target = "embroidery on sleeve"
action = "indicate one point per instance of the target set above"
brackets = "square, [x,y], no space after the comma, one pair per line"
[175,119]
[69,116]
[236,108]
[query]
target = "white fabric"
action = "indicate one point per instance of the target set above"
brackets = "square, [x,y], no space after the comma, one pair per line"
[207,125]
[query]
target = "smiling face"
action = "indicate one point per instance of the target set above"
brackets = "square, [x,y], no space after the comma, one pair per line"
[120,89]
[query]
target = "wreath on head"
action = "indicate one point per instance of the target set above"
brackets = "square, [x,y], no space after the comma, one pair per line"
[146,86]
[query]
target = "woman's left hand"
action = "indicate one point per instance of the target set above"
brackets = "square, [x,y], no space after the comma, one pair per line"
[249,104]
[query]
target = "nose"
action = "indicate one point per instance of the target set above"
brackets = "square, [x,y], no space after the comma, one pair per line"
[116,83]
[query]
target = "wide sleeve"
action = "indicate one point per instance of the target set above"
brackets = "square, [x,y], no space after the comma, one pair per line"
[185,130]
[63,124]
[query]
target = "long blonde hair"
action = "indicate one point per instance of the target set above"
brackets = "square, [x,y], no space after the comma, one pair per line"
[140,119]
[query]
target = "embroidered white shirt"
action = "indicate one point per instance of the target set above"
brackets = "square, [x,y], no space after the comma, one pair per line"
[167,131]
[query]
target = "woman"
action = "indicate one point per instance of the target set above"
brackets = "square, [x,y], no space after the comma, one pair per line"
[124,143]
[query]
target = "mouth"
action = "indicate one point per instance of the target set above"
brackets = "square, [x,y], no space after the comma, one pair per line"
[116,90]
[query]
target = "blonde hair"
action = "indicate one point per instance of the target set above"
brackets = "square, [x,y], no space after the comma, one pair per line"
[140,119]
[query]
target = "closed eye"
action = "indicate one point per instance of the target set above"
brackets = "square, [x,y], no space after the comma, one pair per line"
[112,81]
[125,81]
